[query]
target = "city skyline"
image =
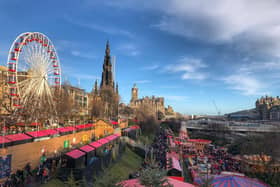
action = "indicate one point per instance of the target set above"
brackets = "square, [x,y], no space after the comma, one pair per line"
[229,56]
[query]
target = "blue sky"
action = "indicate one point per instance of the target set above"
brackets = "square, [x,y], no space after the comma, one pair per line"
[191,52]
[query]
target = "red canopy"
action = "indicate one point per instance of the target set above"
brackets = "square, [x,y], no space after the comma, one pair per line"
[66,129]
[87,148]
[75,153]
[103,141]
[177,178]
[95,144]
[4,140]
[132,128]
[112,137]
[200,141]
[17,137]
[34,124]
[114,123]
[41,133]
[84,126]
[135,127]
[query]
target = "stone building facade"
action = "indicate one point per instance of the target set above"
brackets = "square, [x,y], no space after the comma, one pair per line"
[4,99]
[268,107]
[156,104]
[79,98]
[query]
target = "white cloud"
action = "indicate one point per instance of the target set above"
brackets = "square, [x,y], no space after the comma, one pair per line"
[151,67]
[128,49]
[82,54]
[258,67]
[190,67]
[244,83]
[251,26]
[108,28]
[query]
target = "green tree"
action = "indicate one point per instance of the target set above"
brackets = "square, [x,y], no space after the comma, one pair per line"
[153,176]
[71,182]
[111,181]
[126,111]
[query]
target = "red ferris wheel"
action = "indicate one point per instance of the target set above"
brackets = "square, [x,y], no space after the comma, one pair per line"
[34,71]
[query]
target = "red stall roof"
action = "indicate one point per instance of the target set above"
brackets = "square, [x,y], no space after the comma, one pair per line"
[95,144]
[75,153]
[84,126]
[135,127]
[17,137]
[114,123]
[34,124]
[200,141]
[177,178]
[132,128]
[103,141]
[87,148]
[66,129]
[42,133]
[4,140]
[112,137]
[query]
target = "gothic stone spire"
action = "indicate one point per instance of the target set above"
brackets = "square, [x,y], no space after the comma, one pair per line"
[107,74]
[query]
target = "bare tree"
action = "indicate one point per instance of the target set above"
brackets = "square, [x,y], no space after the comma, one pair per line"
[64,104]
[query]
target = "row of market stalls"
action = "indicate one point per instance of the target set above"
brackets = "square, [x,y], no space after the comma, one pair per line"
[90,159]
[132,132]
[21,138]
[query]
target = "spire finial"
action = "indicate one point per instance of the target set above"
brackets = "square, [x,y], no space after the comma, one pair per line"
[108,48]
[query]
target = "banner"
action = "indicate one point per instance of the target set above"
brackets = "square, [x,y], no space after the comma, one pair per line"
[5,166]
[66,143]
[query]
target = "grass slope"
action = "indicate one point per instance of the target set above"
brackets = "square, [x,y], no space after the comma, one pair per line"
[119,171]
[129,163]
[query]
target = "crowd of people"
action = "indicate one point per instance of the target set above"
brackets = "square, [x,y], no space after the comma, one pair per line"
[221,160]
[212,160]
[29,178]
[159,148]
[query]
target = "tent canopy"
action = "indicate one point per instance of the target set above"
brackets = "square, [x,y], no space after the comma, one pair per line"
[75,153]
[84,126]
[18,137]
[4,140]
[232,181]
[200,141]
[114,123]
[87,148]
[112,137]
[236,181]
[103,141]
[95,144]
[66,129]
[41,133]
